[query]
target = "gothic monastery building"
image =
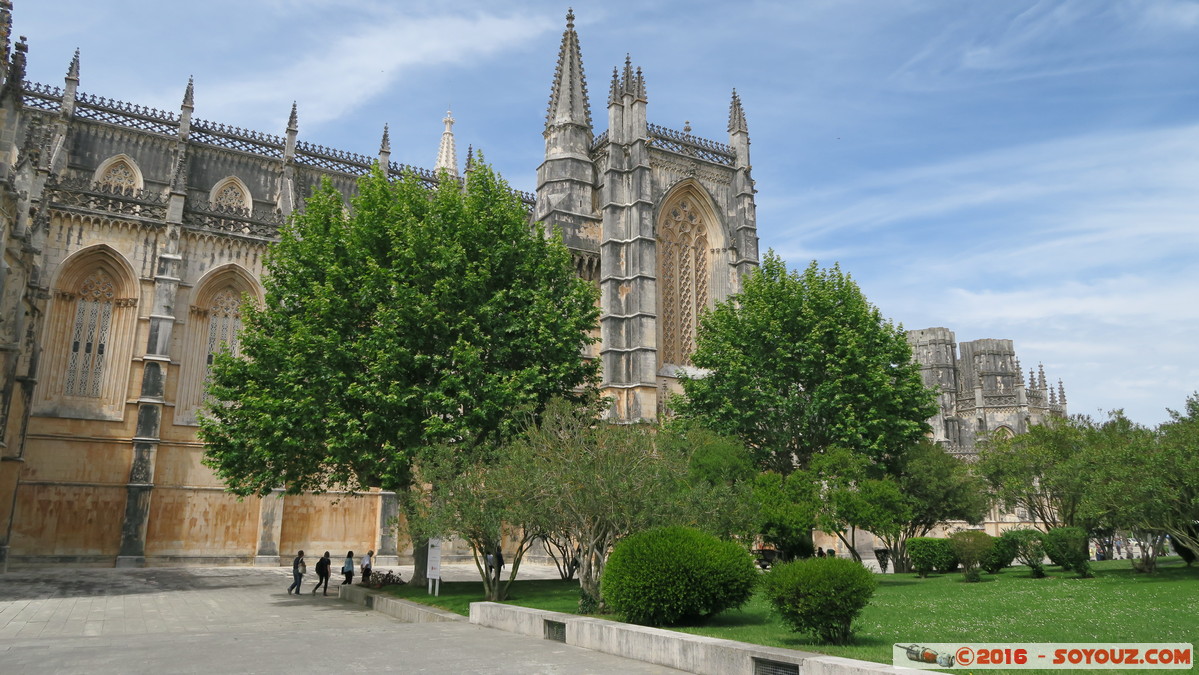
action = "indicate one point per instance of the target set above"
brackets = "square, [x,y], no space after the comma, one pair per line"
[130,234]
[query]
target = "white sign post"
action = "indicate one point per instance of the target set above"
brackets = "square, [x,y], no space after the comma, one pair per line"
[433,568]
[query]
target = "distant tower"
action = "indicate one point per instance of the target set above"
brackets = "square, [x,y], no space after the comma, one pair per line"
[982,391]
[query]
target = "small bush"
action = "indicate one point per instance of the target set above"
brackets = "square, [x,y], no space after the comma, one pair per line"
[1068,547]
[1003,552]
[1030,550]
[671,575]
[930,553]
[971,547]
[821,596]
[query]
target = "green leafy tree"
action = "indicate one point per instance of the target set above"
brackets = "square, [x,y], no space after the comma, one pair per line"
[415,319]
[798,363]
[597,480]
[1144,481]
[1039,471]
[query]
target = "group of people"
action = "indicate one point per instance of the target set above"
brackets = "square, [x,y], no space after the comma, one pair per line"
[299,568]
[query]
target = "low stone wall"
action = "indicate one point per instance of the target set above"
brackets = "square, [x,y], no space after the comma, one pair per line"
[404,610]
[690,653]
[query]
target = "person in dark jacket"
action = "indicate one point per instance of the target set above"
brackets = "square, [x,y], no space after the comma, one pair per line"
[322,573]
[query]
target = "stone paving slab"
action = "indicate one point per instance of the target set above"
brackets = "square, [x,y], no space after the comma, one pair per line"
[241,620]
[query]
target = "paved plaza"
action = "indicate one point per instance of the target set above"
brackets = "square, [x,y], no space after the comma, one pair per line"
[241,620]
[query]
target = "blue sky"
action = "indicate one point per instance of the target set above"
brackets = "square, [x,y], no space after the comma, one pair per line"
[1017,169]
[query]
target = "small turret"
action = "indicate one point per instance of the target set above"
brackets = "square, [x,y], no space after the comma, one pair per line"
[447,154]
[186,109]
[738,131]
[385,150]
[70,87]
[293,131]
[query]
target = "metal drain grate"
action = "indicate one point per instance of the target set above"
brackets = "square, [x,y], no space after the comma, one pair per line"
[556,631]
[765,667]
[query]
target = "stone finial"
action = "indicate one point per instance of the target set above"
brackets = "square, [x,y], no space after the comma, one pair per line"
[640,93]
[737,116]
[447,154]
[1052,396]
[614,92]
[189,94]
[73,69]
[1041,376]
[626,79]
[293,120]
[470,158]
[17,71]
[1019,372]
[686,126]
[385,144]
[568,93]
[1061,392]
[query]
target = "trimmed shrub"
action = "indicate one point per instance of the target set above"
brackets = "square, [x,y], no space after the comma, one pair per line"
[672,575]
[821,596]
[1003,552]
[930,553]
[971,547]
[1068,547]
[1029,550]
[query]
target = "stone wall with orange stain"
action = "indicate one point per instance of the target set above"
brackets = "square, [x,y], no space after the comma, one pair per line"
[330,522]
[189,522]
[82,522]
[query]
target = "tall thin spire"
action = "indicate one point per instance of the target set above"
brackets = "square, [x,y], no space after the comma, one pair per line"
[189,94]
[385,144]
[73,69]
[737,115]
[293,120]
[1061,392]
[447,155]
[568,95]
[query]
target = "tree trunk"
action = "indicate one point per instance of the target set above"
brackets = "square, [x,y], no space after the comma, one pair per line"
[420,562]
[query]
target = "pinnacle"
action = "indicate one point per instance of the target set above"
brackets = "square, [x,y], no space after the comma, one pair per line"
[73,69]
[293,120]
[385,145]
[189,93]
[737,115]
[568,94]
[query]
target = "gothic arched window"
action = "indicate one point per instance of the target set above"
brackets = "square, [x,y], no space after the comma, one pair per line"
[231,194]
[89,337]
[683,277]
[212,327]
[119,173]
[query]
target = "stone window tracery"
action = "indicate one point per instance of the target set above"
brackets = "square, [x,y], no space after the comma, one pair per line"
[224,323]
[683,278]
[120,175]
[90,336]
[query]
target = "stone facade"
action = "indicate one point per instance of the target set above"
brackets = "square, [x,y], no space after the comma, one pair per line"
[981,389]
[129,232]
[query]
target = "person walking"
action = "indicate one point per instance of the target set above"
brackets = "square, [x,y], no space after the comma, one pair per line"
[298,568]
[348,569]
[366,568]
[322,573]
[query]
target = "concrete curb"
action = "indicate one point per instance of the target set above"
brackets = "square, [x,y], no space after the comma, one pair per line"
[691,653]
[404,610]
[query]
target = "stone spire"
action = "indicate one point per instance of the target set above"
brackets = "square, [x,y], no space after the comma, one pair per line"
[293,120]
[293,132]
[385,150]
[447,154]
[189,94]
[737,115]
[568,95]
[470,158]
[185,110]
[1041,376]
[73,69]
[1061,392]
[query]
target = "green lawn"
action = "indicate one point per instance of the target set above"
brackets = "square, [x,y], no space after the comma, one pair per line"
[1115,606]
